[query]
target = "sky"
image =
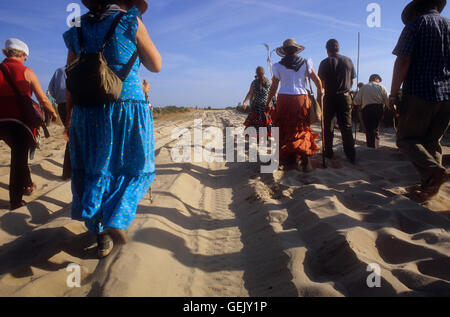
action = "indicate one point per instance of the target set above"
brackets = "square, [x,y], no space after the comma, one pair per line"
[211,48]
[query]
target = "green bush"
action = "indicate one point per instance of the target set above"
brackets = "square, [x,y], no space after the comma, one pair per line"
[169,110]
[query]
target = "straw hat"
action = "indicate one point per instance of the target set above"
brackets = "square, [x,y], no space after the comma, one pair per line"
[18,45]
[142,5]
[289,43]
[408,12]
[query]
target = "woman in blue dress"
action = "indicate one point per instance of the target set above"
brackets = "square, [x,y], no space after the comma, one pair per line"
[112,146]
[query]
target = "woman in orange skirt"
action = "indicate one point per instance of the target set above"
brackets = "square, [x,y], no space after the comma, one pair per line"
[297,140]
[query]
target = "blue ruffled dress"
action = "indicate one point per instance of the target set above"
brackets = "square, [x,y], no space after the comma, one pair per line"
[112,147]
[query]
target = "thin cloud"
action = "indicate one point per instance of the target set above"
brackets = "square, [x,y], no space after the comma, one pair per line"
[37,19]
[206,20]
[314,16]
[186,20]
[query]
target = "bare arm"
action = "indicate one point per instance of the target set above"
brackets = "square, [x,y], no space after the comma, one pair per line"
[322,80]
[401,68]
[148,53]
[249,95]
[315,78]
[145,87]
[272,91]
[39,93]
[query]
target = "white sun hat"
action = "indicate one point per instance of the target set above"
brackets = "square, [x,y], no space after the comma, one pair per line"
[18,45]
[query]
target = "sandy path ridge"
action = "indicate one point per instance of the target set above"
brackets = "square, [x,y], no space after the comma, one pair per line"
[224,229]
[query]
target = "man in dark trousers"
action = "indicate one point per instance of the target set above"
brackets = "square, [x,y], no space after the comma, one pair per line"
[337,73]
[372,98]
[57,89]
[423,66]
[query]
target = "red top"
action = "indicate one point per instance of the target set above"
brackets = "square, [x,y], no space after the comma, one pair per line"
[9,108]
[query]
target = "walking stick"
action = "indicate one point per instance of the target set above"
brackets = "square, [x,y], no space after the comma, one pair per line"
[324,163]
[357,78]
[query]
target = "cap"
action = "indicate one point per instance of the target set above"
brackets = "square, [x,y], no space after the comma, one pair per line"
[18,45]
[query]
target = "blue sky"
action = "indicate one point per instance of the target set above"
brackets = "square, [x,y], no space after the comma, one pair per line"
[211,48]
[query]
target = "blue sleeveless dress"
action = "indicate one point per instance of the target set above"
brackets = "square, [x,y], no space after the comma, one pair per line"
[112,148]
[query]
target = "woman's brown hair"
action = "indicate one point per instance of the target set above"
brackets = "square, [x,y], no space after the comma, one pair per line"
[260,72]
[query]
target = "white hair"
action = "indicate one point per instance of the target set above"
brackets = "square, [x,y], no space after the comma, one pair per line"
[12,52]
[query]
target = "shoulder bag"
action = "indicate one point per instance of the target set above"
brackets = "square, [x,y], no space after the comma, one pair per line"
[315,110]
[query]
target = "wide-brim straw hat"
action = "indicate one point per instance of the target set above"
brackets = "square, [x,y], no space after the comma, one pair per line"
[289,43]
[142,5]
[408,12]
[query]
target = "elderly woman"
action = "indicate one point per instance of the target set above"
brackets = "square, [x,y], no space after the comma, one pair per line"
[112,145]
[12,130]
[259,90]
[297,141]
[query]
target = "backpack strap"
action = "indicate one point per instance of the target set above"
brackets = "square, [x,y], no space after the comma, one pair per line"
[111,30]
[80,38]
[127,68]
[108,36]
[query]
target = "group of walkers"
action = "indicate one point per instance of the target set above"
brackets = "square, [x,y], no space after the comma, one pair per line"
[422,66]
[292,113]
[110,154]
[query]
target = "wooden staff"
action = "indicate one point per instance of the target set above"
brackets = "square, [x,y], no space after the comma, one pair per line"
[322,123]
[357,78]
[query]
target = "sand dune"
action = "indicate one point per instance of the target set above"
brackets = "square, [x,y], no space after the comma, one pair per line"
[225,229]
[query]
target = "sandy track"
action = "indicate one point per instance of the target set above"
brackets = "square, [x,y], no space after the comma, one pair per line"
[224,229]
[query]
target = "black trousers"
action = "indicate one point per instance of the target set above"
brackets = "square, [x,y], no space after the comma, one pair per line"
[341,107]
[67,167]
[372,116]
[18,139]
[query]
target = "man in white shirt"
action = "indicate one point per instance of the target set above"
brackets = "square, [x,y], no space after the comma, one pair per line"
[373,98]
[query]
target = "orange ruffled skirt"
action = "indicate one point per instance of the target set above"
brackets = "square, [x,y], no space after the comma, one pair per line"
[291,116]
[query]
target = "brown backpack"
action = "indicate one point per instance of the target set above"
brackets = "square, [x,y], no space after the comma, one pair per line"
[90,80]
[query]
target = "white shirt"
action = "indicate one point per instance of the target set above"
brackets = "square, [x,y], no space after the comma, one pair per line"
[292,82]
[372,93]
